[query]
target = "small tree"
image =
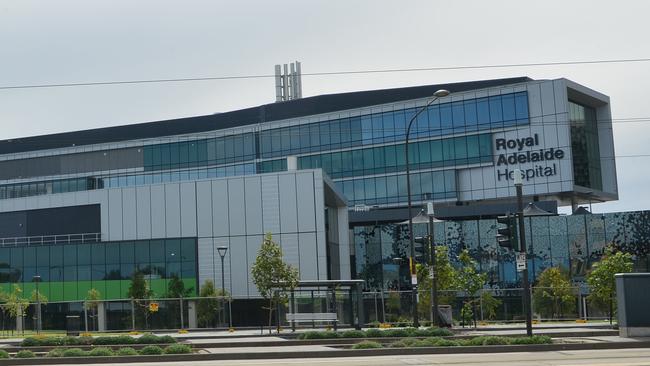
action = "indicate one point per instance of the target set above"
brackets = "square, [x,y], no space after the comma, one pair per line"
[176,288]
[602,282]
[445,281]
[209,305]
[3,307]
[141,294]
[92,302]
[553,295]
[16,304]
[470,281]
[489,304]
[273,278]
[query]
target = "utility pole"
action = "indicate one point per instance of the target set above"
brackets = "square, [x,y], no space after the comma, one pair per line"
[432,262]
[518,178]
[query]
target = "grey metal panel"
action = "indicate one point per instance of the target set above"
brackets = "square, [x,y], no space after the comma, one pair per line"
[114,214]
[205,252]
[344,243]
[237,215]
[239,266]
[221,226]
[306,204]
[188,209]
[253,192]
[270,204]
[253,244]
[143,212]
[288,214]
[322,254]
[290,249]
[158,225]
[204,208]
[129,216]
[173,210]
[308,256]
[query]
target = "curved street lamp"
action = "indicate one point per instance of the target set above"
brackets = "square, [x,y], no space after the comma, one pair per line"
[437,95]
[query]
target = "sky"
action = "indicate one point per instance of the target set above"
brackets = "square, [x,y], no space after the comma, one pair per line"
[51,42]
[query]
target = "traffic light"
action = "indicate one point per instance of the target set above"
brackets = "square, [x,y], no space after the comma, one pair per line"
[421,252]
[507,236]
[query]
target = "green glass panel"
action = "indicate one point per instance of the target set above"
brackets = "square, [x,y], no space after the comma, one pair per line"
[56,291]
[69,291]
[113,290]
[82,289]
[97,285]
[159,287]
[124,288]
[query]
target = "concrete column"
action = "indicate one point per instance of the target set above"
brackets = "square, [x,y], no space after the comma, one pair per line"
[191,314]
[101,317]
[19,324]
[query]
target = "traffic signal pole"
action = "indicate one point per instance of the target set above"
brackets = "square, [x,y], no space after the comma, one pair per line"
[523,250]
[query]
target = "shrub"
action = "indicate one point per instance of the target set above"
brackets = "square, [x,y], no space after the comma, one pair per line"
[374,333]
[406,342]
[4,354]
[151,350]
[312,334]
[176,349]
[25,354]
[432,332]
[427,342]
[126,351]
[123,339]
[353,334]
[487,341]
[441,342]
[31,342]
[398,333]
[367,345]
[147,339]
[55,352]
[166,339]
[101,351]
[537,339]
[74,352]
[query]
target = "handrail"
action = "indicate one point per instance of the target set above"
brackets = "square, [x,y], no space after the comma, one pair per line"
[51,239]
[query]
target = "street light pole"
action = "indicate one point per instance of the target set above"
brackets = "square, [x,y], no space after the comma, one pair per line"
[39,325]
[438,94]
[222,253]
[518,178]
[432,262]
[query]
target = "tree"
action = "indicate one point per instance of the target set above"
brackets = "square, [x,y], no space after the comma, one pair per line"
[553,295]
[16,304]
[176,288]
[445,281]
[602,282]
[209,305]
[489,304]
[470,281]
[3,302]
[92,302]
[141,294]
[273,278]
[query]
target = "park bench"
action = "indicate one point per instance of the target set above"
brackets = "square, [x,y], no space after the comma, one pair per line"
[311,318]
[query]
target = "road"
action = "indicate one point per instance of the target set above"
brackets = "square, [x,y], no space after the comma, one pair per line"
[624,357]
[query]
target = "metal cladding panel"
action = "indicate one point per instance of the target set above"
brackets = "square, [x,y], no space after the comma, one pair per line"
[158,225]
[321,242]
[344,243]
[290,249]
[306,204]
[288,214]
[220,208]
[253,244]
[253,192]
[239,266]
[222,242]
[143,212]
[188,209]
[114,214]
[270,204]
[129,214]
[205,252]
[173,210]
[204,208]
[236,208]
[308,256]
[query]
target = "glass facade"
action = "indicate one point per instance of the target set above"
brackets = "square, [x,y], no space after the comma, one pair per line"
[585,146]
[363,154]
[572,242]
[69,270]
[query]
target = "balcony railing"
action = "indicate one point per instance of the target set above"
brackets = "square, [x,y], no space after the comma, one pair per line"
[51,239]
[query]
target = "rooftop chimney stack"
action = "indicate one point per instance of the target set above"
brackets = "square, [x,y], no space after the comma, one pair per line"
[288,84]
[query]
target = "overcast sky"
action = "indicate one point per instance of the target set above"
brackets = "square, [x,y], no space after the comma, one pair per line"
[45,42]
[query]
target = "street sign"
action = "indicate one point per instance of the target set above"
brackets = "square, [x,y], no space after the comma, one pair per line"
[153,307]
[521,262]
[414,279]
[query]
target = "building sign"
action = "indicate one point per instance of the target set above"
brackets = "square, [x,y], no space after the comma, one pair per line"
[511,152]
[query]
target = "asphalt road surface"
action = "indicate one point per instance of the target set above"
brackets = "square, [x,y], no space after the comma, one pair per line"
[624,357]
